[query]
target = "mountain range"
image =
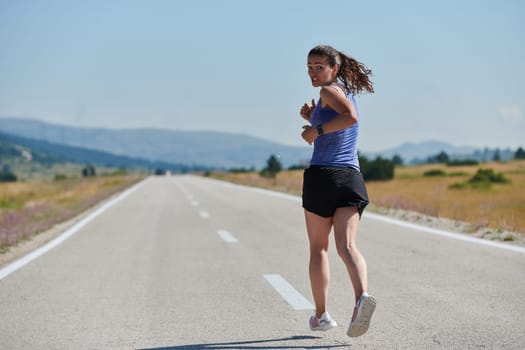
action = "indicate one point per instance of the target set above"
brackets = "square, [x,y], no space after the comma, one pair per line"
[190,149]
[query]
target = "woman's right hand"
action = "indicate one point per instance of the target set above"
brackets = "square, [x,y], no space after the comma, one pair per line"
[307,110]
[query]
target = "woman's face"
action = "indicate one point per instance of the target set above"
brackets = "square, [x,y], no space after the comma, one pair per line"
[320,71]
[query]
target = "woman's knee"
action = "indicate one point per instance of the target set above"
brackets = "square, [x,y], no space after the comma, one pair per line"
[348,252]
[319,242]
[318,252]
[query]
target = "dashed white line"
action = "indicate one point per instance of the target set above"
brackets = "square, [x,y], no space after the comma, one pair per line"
[227,236]
[288,292]
[188,195]
[204,214]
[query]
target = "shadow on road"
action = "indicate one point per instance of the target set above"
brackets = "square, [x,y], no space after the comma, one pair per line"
[281,343]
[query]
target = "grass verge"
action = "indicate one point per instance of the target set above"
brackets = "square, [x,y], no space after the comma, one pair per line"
[28,208]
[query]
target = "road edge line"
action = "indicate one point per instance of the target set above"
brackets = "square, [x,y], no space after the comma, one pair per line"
[29,257]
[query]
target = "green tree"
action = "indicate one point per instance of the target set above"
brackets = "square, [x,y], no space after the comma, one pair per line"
[488,175]
[378,169]
[397,160]
[89,171]
[497,156]
[483,179]
[441,157]
[6,175]
[520,153]
[273,166]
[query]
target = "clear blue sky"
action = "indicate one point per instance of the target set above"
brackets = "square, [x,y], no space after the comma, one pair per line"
[447,70]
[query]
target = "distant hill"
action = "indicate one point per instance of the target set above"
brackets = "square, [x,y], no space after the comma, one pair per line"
[10,150]
[25,163]
[189,148]
[14,149]
[416,153]
[411,150]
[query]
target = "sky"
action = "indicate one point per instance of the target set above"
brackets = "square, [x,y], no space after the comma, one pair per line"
[448,70]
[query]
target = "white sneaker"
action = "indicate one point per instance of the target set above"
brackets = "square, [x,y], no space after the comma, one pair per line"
[365,308]
[322,324]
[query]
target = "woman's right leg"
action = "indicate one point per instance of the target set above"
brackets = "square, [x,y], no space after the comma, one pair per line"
[318,229]
[346,221]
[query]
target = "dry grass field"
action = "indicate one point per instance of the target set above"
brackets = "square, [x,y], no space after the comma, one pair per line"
[30,207]
[501,207]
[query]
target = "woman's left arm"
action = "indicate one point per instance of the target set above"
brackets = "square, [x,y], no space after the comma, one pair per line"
[335,99]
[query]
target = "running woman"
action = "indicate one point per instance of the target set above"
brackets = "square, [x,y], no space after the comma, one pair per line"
[334,192]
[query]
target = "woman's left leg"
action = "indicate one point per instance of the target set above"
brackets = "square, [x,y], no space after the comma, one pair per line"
[318,229]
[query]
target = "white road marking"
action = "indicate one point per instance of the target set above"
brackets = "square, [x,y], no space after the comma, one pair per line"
[17,264]
[188,195]
[227,237]
[204,214]
[288,292]
[458,236]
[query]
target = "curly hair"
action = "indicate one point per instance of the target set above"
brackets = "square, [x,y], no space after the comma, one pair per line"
[353,74]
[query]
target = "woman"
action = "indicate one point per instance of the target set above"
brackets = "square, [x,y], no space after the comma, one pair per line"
[334,193]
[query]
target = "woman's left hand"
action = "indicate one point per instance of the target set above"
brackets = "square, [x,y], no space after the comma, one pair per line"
[309,134]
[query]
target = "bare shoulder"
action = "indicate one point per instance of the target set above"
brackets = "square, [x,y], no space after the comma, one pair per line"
[332,90]
[331,93]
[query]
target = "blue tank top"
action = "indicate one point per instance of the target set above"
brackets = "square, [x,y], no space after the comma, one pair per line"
[338,149]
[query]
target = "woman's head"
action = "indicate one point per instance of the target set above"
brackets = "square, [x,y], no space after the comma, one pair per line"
[352,74]
[329,52]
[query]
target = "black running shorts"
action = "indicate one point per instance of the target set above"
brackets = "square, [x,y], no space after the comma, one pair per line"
[327,188]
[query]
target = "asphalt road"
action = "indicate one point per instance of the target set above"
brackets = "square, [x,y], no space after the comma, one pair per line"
[185,262]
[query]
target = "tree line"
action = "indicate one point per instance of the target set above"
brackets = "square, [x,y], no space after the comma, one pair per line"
[379,168]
